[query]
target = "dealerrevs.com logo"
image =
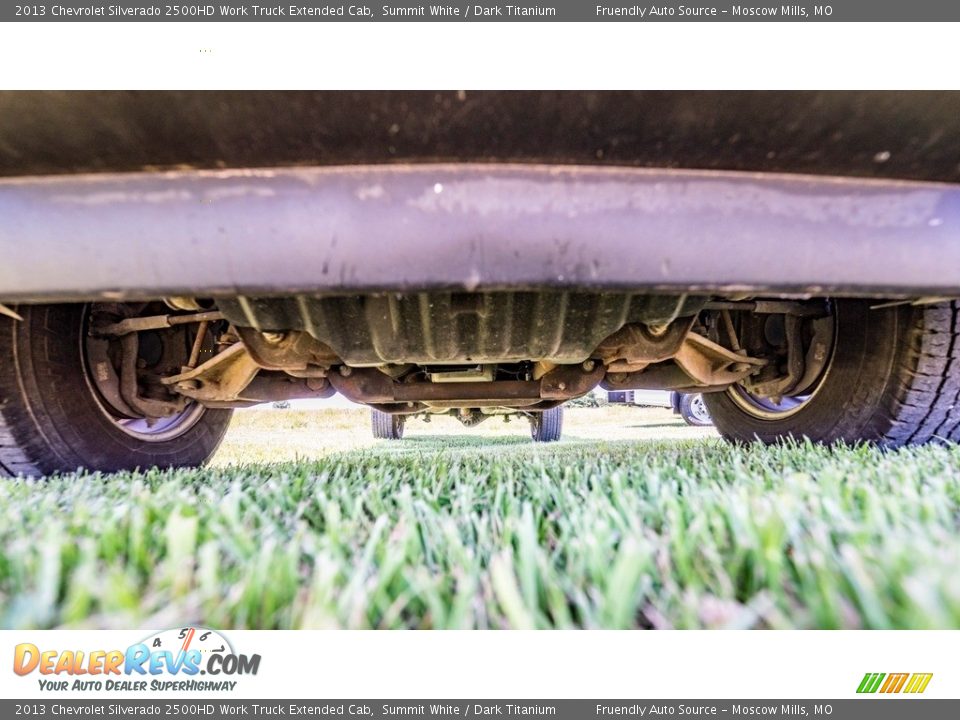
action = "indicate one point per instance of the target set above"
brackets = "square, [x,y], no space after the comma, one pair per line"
[170,660]
[892,683]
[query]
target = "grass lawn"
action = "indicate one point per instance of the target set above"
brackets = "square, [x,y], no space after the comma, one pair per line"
[634,520]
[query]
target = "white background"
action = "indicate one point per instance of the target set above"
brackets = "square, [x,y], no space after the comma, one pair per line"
[124,55]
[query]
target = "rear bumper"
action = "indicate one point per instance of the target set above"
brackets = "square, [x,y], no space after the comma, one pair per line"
[472,226]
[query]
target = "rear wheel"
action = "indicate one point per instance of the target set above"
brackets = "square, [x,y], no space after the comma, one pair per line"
[386,426]
[58,413]
[547,426]
[893,378]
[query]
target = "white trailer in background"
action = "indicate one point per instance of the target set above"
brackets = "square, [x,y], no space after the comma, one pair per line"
[689,406]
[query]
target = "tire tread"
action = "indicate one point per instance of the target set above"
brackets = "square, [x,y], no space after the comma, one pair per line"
[386,426]
[549,425]
[924,407]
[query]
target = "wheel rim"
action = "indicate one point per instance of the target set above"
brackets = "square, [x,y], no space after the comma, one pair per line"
[699,410]
[163,429]
[766,408]
[104,385]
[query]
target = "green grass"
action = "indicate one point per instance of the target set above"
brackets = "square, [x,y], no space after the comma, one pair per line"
[464,529]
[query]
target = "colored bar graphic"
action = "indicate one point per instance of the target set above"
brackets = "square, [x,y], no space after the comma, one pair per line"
[918,682]
[900,684]
[870,682]
[895,683]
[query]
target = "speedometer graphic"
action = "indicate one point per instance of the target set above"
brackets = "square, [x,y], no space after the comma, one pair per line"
[183,639]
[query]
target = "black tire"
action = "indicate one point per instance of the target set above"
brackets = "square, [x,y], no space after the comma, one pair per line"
[693,410]
[387,426]
[547,426]
[675,401]
[51,418]
[893,379]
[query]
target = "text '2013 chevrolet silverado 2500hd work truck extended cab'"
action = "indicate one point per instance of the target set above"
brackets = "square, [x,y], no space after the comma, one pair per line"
[167,257]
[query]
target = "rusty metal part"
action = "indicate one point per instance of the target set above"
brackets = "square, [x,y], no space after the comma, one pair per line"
[397,371]
[636,346]
[699,365]
[152,322]
[198,343]
[410,408]
[267,387]
[105,376]
[367,385]
[731,330]
[399,408]
[542,367]
[471,417]
[130,388]
[570,381]
[295,353]
[785,384]
[496,403]
[662,376]
[221,378]
[710,364]
[794,358]
[819,352]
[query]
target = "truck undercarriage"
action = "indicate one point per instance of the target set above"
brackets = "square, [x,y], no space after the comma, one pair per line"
[143,306]
[408,353]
